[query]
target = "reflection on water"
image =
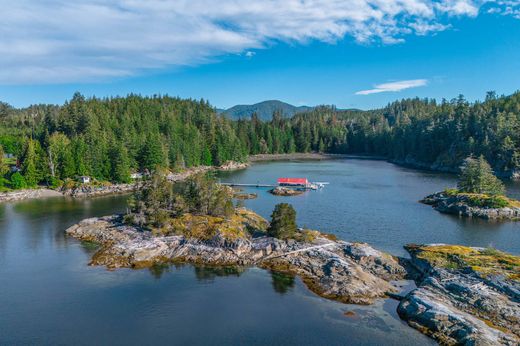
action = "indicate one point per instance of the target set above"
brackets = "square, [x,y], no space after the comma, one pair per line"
[282,282]
[51,296]
[208,274]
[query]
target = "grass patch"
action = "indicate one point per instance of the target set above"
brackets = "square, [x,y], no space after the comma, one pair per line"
[483,261]
[204,227]
[482,200]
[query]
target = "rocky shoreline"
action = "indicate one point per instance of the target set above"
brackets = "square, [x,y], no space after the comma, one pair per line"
[325,265]
[459,303]
[84,191]
[19,195]
[460,205]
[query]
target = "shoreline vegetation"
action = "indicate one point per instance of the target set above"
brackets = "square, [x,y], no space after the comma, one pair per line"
[111,139]
[79,190]
[195,222]
[479,193]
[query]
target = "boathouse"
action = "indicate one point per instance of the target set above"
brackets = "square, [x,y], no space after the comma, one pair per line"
[295,182]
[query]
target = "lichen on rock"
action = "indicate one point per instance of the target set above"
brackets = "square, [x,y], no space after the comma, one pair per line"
[466,295]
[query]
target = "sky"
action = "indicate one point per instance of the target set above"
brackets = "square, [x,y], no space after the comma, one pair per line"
[353,54]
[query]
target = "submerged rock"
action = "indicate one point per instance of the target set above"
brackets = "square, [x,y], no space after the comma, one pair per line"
[461,204]
[242,195]
[467,296]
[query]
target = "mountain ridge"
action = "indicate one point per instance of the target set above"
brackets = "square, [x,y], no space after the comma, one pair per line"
[264,110]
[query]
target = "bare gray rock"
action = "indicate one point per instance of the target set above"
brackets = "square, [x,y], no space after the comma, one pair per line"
[459,306]
[18,195]
[338,270]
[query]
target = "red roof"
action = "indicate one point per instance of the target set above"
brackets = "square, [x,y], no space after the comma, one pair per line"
[298,181]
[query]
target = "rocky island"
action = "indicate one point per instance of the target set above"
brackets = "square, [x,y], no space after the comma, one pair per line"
[464,295]
[478,194]
[452,201]
[348,272]
[284,191]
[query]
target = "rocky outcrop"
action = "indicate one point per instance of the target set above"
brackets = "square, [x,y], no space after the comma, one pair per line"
[93,190]
[347,272]
[460,302]
[19,195]
[233,166]
[284,191]
[461,205]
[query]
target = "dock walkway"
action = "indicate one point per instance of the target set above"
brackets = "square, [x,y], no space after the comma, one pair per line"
[248,185]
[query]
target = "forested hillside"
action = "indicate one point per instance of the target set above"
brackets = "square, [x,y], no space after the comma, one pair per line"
[264,110]
[110,138]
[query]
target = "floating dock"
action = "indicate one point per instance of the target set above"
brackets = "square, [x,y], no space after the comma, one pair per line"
[295,183]
[248,185]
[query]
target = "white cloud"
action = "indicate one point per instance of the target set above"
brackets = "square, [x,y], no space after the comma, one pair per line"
[57,41]
[506,8]
[249,54]
[394,86]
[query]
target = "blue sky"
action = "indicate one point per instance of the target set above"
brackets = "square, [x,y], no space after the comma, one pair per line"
[360,55]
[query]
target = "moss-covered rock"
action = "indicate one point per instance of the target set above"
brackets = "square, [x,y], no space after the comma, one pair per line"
[466,295]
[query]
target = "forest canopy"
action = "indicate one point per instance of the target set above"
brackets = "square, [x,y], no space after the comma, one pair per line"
[110,138]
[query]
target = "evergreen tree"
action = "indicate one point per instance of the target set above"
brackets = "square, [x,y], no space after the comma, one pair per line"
[477,177]
[120,170]
[29,164]
[283,222]
[206,159]
[152,155]
[4,167]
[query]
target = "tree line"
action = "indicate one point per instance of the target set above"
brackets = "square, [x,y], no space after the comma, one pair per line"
[109,138]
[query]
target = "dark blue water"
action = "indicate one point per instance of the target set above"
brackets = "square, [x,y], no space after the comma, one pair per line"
[48,294]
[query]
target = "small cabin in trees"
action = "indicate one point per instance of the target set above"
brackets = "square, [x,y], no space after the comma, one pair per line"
[84,179]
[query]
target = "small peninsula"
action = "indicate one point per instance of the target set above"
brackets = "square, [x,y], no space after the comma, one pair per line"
[464,295]
[479,194]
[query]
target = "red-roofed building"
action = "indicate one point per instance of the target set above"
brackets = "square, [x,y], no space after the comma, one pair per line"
[293,182]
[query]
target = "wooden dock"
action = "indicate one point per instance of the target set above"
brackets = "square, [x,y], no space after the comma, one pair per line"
[248,185]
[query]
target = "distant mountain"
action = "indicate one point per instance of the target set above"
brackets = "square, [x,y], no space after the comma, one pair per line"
[264,110]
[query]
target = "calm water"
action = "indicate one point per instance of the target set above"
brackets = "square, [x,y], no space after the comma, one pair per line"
[48,294]
[376,202]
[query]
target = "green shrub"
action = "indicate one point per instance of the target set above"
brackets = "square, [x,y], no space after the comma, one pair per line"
[485,201]
[497,202]
[450,192]
[18,181]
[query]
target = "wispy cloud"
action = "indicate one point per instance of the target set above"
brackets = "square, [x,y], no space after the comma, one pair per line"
[56,41]
[394,86]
